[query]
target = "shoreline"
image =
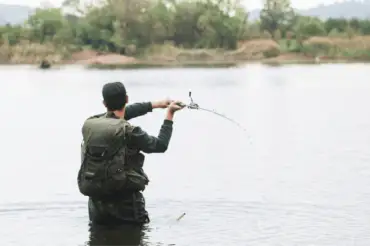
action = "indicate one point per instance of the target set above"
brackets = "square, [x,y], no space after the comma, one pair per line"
[124,62]
[276,61]
[149,65]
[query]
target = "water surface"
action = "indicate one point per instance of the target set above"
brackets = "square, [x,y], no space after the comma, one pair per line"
[299,176]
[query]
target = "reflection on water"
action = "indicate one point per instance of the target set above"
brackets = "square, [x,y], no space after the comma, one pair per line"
[116,235]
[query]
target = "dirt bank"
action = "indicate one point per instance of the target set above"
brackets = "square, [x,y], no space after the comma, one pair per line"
[90,57]
[168,54]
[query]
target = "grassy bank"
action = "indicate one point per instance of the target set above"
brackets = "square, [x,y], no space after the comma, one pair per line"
[311,50]
[330,48]
[33,53]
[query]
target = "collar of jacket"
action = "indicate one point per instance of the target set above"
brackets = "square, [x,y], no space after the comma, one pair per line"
[110,114]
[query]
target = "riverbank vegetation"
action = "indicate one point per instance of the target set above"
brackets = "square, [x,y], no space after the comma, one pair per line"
[177,32]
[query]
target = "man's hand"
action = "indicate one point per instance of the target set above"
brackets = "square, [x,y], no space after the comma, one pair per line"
[174,106]
[162,104]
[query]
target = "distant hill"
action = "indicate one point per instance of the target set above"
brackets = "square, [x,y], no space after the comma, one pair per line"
[16,14]
[348,9]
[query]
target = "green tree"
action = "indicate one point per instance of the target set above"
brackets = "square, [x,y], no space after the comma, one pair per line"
[354,23]
[206,24]
[253,30]
[338,24]
[365,27]
[11,34]
[277,14]
[127,25]
[45,23]
[309,26]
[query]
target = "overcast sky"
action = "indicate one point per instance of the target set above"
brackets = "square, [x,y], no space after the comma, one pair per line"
[250,4]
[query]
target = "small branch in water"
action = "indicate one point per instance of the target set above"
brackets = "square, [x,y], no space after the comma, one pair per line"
[181,216]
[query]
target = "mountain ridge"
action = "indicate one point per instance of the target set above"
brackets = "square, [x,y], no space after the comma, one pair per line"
[348,9]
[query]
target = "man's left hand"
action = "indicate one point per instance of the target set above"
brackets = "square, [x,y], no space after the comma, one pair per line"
[162,104]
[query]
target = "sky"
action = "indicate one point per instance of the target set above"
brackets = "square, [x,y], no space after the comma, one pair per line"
[250,4]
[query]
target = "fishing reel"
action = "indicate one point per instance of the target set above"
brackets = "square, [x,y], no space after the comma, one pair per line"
[192,105]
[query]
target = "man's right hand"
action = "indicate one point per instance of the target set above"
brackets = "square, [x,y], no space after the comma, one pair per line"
[175,106]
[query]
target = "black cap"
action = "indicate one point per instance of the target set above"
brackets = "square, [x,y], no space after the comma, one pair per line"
[114,95]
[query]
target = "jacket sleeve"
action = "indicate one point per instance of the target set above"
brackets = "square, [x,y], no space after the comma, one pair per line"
[137,109]
[150,144]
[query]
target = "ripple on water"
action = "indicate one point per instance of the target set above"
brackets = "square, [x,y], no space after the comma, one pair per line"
[207,223]
[226,223]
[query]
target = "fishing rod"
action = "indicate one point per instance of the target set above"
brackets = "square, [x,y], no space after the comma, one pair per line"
[193,105]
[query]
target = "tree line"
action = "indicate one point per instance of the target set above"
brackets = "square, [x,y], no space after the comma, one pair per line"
[125,26]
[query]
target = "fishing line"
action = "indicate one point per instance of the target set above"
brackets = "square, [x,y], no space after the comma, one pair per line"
[193,105]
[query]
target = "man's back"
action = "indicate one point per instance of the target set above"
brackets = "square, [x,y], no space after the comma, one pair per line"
[116,197]
[111,172]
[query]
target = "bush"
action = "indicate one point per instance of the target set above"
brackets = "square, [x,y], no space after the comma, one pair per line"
[317,46]
[274,52]
[255,49]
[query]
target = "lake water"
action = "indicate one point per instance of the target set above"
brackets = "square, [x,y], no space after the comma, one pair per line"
[300,175]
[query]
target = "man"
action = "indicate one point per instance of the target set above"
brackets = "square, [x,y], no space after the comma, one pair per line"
[111,172]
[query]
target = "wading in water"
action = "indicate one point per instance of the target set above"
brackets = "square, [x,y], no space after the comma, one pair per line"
[111,172]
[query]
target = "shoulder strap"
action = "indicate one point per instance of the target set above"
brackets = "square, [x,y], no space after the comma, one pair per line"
[118,143]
